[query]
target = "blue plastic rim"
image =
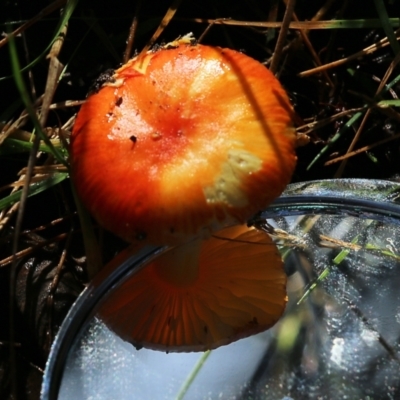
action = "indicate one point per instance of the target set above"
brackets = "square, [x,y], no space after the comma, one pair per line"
[366,199]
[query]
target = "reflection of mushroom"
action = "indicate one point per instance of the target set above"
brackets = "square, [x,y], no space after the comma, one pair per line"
[231,286]
[181,142]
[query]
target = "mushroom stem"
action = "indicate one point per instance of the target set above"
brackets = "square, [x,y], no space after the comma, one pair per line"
[180,266]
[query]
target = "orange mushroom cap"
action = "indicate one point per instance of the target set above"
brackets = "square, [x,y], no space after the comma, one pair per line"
[181,142]
[236,287]
[186,140]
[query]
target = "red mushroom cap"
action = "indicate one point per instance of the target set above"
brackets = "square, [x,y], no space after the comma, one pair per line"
[181,142]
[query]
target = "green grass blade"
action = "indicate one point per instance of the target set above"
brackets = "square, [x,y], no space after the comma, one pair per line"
[384,18]
[34,188]
[310,25]
[355,23]
[14,146]
[314,284]
[92,250]
[354,119]
[389,103]
[27,101]
[335,138]
[66,15]
[193,374]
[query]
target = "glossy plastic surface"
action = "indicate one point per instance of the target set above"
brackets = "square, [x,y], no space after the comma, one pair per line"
[339,337]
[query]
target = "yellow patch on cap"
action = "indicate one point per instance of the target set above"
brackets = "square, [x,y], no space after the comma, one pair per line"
[228,186]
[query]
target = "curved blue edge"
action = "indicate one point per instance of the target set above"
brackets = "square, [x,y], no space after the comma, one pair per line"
[365,209]
[362,198]
[80,312]
[374,199]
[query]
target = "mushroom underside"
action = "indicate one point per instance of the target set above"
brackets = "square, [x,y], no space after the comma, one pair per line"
[202,294]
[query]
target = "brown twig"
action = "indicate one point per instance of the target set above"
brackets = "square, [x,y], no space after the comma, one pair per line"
[353,143]
[313,126]
[54,284]
[282,36]
[163,24]
[368,50]
[210,25]
[362,149]
[132,33]
[66,104]
[304,37]
[18,255]
[53,74]
[45,169]
[47,10]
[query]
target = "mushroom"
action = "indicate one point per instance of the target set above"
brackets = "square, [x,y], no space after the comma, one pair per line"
[202,294]
[181,142]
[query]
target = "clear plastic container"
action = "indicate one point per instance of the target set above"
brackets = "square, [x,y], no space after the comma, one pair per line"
[339,337]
